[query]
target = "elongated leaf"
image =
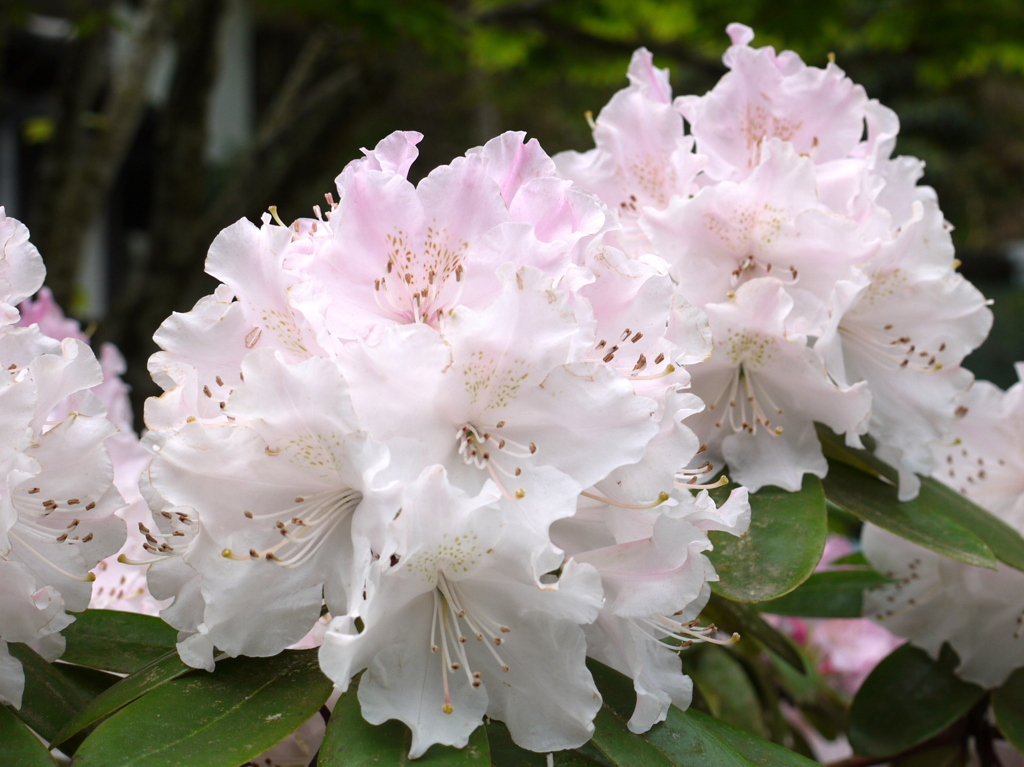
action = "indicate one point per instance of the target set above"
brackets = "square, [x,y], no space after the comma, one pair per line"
[124,692]
[689,738]
[832,594]
[51,698]
[351,741]
[18,745]
[780,550]
[622,747]
[117,641]
[1005,542]
[1008,706]
[212,720]
[908,699]
[875,501]
[735,617]
[726,688]
[505,753]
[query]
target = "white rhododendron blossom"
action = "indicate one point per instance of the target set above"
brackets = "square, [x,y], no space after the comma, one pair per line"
[979,612]
[57,491]
[383,410]
[118,585]
[826,273]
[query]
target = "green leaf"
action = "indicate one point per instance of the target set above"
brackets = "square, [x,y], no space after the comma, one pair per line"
[726,688]
[18,745]
[780,550]
[1005,542]
[351,741]
[875,501]
[505,753]
[686,738]
[212,720]
[735,617]
[830,594]
[51,698]
[907,699]
[112,640]
[124,692]
[1008,706]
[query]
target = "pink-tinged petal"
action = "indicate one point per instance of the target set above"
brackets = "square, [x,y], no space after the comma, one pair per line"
[819,111]
[21,268]
[655,575]
[769,224]
[249,260]
[512,162]
[403,682]
[547,698]
[655,668]
[394,154]
[202,351]
[44,312]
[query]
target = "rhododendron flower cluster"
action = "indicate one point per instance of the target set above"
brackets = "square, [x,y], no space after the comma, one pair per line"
[451,415]
[979,612]
[57,491]
[826,272]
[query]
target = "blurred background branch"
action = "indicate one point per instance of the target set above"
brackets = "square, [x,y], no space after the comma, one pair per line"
[132,132]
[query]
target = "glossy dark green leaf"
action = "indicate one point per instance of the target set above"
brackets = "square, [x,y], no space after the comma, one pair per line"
[112,640]
[51,698]
[907,699]
[1005,543]
[505,753]
[726,688]
[124,692]
[875,501]
[735,617]
[351,741]
[18,745]
[831,594]
[212,720]
[690,738]
[780,550]
[1008,706]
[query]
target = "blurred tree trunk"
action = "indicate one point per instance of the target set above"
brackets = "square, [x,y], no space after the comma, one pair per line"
[84,162]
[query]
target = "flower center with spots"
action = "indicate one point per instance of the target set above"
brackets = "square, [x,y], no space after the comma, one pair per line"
[747,404]
[420,282]
[487,449]
[303,527]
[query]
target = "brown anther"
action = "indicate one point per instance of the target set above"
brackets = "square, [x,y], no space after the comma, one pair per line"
[90,506]
[499,424]
[248,514]
[641,363]
[636,337]
[73,501]
[518,471]
[206,391]
[62,537]
[601,345]
[299,499]
[87,538]
[253,554]
[33,491]
[219,380]
[533,448]
[659,359]
[608,357]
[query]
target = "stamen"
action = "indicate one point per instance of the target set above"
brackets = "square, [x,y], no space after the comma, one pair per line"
[662,497]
